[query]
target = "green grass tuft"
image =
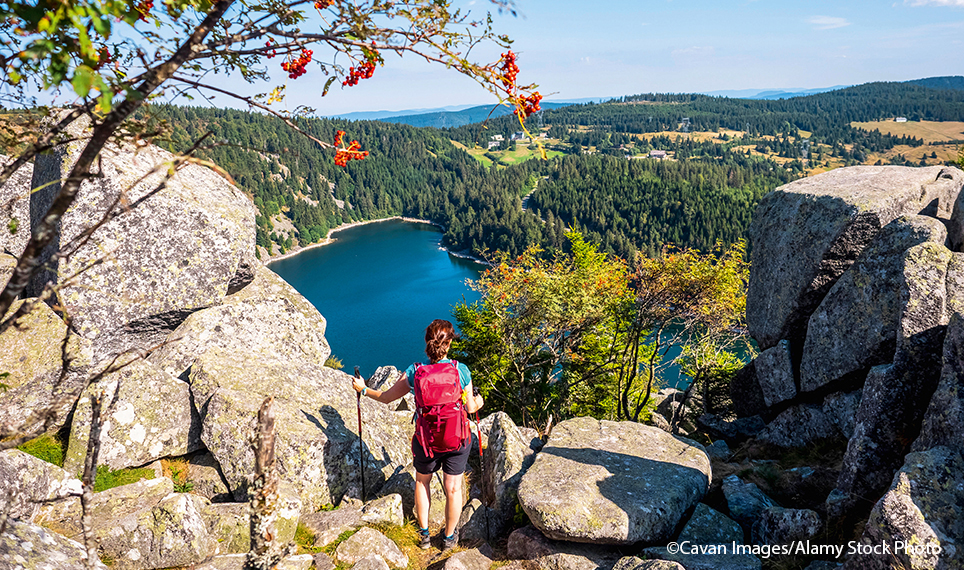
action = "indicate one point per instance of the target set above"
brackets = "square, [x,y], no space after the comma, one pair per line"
[108,478]
[46,447]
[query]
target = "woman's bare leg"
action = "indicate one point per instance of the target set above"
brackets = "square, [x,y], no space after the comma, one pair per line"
[423,498]
[453,501]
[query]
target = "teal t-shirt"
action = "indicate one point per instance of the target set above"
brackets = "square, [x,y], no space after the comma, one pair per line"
[464,375]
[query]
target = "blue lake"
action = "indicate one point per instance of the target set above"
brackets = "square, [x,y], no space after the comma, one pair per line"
[379,285]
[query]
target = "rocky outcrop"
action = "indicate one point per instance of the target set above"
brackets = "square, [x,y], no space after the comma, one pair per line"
[708,526]
[895,396]
[856,325]
[367,542]
[507,457]
[745,500]
[777,525]
[527,543]
[316,424]
[230,523]
[40,378]
[15,210]
[237,562]
[176,252]
[268,316]
[326,526]
[841,408]
[140,526]
[943,423]
[27,482]
[26,545]
[775,374]
[924,511]
[473,559]
[799,426]
[636,563]
[806,234]
[149,416]
[613,483]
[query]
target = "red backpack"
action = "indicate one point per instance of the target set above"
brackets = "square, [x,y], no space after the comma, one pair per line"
[442,423]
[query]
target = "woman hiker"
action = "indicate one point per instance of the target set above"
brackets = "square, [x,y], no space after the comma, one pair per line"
[443,400]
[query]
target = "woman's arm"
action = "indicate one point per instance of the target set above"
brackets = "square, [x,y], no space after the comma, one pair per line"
[472,403]
[398,389]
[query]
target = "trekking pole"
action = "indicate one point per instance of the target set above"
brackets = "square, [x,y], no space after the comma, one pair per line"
[361,454]
[478,429]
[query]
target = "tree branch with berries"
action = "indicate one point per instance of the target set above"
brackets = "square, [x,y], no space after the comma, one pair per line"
[115,56]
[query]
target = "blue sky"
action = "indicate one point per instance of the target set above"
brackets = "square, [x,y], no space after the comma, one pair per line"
[619,47]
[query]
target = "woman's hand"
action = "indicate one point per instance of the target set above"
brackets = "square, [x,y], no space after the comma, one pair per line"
[358,384]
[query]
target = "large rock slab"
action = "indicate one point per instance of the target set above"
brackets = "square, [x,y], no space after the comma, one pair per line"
[799,426]
[613,483]
[924,510]
[745,500]
[805,234]
[777,525]
[27,482]
[28,546]
[895,396]
[855,327]
[774,372]
[174,252]
[527,543]
[266,316]
[369,541]
[151,416]
[140,526]
[841,408]
[507,457]
[230,523]
[708,526]
[32,354]
[15,210]
[315,422]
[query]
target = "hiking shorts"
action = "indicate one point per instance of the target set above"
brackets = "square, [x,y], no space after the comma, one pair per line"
[451,462]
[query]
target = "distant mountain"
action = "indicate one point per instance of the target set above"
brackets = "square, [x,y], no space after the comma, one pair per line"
[446,119]
[772,93]
[946,82]
[376,115]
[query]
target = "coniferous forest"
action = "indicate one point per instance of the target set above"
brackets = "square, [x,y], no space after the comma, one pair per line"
[603,184]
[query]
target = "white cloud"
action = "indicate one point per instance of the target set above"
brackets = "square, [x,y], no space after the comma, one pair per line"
[695,51]
[959,3]
[831,22]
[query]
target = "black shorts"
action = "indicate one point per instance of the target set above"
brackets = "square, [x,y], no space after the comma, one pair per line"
[451,462]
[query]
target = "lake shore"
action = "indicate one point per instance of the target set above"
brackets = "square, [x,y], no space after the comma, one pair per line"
[329,239]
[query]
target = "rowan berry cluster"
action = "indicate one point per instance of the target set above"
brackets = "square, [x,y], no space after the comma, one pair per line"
[296,67]
[322,4]
[343,155]
[363,71]
[270,44]
[143,8]
[525,104]
[509,71]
